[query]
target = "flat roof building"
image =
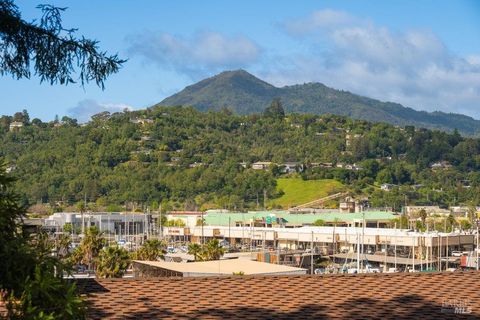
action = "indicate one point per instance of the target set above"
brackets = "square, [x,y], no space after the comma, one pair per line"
[372,218]
[423,247]
[211,268]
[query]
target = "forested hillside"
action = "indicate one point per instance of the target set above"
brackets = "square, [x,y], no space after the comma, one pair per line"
[246,94]
[187,159]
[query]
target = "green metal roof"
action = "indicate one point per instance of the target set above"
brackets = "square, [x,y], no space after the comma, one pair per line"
[223,219]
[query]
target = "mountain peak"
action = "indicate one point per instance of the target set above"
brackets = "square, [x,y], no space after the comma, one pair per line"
[244,93]
[226,89]
[238,72]
[239,75]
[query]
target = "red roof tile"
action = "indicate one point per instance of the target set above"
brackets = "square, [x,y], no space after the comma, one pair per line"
[379,296]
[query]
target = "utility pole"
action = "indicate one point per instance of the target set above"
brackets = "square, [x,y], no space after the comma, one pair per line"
[363,236]
[334,243]
[161,223]
[395,248]
[413,254]
[439,252]
[203,239]
[229,236]
[243,230]
[358,252]
[311,255]
[476,247]
[446,254]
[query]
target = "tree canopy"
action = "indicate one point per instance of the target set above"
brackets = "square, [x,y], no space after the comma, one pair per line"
[275,110]
[178,158]
[31,280]
[52,51]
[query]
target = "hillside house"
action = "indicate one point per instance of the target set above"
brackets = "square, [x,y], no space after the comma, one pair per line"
[388,186]
[349,138]
[16,125]
[141,121]
[289,167]
[261,165]
[326,165]
[430,210]
[441,165]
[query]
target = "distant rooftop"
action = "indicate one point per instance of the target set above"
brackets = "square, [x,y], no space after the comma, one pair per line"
[223,219]
[224,267]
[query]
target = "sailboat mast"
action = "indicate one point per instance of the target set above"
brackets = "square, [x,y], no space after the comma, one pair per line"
[358,252]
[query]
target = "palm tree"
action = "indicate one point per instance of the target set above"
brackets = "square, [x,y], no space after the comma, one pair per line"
[213,250]
[450,223]
[112,262]
[423,216]
[196,250]
[89,248]
[151,250]
[63,244]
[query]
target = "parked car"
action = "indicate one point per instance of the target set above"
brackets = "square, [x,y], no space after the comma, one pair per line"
[370,269]
[81,268]
[456,253]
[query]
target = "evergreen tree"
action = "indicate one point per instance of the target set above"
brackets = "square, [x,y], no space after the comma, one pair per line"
[51,50]
[31,280]
[275,110]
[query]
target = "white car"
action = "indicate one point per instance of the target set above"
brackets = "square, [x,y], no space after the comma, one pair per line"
[373,270]
[456,254]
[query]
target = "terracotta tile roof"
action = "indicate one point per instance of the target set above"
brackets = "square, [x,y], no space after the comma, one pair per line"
[379,296]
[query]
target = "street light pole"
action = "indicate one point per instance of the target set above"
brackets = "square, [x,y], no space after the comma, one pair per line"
[311,256]
[476,248]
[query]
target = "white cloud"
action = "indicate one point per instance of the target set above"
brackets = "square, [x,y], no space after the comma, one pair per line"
[414,68]
[198,55]
[318,20]
[86,108]
[474,59]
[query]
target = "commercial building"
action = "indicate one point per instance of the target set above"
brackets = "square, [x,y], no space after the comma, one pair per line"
[418,248]
[288,219]
[111,223]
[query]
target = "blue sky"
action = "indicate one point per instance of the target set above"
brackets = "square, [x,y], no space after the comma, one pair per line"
[423,54]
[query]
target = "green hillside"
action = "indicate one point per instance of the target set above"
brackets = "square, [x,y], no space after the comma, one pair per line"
[298,191]
[246,94]
[185,159]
